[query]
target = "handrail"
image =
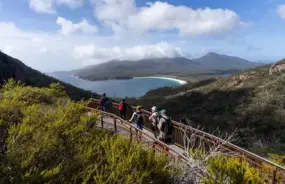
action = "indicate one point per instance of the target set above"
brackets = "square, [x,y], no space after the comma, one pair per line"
[156,141]
[251,157]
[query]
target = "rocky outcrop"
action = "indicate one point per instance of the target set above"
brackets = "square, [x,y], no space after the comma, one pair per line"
[277,68]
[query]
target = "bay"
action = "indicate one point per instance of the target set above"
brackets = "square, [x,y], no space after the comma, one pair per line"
[136,87]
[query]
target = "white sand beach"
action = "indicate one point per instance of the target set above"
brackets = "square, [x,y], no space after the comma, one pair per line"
[182,82]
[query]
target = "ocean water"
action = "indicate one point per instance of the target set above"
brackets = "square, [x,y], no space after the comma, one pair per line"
[136,87]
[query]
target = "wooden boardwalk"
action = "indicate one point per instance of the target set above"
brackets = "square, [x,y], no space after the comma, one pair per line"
[111,121]
[124,129]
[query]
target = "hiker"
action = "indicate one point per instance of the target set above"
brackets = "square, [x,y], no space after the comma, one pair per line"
[103,102]
[137,118]
[154,118]
[165,127]
[123,109]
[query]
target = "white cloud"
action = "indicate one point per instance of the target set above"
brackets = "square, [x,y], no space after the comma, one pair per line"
[49,6]
[124,15]
[71,3]
[43,50]
[68,27]
[8,49]
[92,54]
[42,6]
[36,39]
[281,11]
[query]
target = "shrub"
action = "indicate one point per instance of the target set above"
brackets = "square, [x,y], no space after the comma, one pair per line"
[223,169]
[48,141]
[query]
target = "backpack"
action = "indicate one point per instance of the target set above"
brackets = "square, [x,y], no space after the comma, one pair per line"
[102,100]
[168,126]
[139,119]
[121,106]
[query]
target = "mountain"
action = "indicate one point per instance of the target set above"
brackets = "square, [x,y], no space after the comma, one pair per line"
[211,63]
[216,61]
[14,68]
[251,102]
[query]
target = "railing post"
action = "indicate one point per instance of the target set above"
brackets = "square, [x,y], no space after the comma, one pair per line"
[131,133]
[115,125]
[274,177]
[167,150]
[153,147]
[102,123]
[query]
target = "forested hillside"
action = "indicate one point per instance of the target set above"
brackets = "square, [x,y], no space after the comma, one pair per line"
[251,102]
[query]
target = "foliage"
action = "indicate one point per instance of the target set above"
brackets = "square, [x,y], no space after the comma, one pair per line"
[223,169]
[280,159]
[44,138]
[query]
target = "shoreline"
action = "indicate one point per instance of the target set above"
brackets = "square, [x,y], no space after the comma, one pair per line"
[182,82]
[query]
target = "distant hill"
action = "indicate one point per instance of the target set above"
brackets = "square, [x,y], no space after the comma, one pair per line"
[211,63]
[14,68]
[214,61]
[252,101]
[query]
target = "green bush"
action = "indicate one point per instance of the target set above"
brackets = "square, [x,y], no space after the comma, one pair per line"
[224,169]
[46,139]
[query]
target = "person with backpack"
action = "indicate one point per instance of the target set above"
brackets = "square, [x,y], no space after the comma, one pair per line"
[137,118]
[154,118]
[123,109]
[165,127]
[103,102]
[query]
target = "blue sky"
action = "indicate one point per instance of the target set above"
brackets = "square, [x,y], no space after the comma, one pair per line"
[52,35]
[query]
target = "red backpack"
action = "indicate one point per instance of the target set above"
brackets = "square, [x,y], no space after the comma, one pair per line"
[121,106]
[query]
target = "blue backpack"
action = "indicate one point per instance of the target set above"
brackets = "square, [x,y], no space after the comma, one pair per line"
[138,119]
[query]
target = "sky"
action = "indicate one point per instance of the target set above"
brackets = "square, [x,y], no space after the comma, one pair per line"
[61,35]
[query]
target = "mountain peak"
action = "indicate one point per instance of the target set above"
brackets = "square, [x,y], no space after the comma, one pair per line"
[212,54]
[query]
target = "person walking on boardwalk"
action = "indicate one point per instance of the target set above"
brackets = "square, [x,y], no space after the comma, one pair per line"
[137,119]
[123,109]
[165,127]
[154,118]
[103,102]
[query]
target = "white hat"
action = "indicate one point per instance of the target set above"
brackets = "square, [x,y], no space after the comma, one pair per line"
[154,108]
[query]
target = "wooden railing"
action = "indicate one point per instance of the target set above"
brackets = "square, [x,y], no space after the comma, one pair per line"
[275,172]
[118,125]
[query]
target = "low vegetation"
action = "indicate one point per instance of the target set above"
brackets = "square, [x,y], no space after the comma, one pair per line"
[47,138]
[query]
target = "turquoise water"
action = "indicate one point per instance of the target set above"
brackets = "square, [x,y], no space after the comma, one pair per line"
[118,88]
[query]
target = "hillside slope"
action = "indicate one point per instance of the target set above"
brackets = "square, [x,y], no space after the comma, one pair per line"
[47,138]
[253,102]
[14,68]
[211,63]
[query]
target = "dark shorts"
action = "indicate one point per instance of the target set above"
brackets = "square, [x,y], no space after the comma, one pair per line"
[139,126]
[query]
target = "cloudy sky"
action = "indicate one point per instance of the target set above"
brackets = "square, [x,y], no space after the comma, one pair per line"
[56,35]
